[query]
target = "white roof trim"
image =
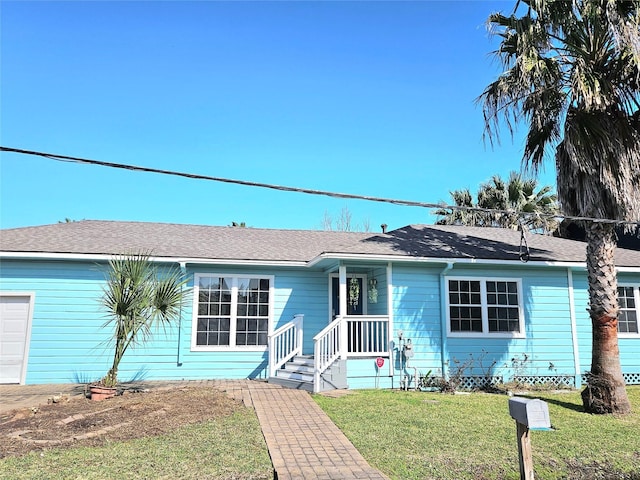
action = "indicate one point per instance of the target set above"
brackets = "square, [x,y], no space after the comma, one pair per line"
[465,260]
[311,263]
[107,257]
[628,269]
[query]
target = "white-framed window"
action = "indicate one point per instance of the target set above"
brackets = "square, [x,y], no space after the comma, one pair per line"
[629,309]
[484,306]
[232,312]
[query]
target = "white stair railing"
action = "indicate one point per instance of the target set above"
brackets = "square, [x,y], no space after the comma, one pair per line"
[328,347]
[353,336]
[285,343]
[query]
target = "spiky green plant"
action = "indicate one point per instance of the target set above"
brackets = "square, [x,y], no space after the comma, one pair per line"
[519,199]
[137,298]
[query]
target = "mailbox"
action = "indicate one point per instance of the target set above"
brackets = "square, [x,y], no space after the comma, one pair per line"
[532,413]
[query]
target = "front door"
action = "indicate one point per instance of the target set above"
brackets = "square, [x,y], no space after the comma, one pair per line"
[356,299]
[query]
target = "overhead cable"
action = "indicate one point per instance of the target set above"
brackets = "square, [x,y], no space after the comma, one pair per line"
[394,201]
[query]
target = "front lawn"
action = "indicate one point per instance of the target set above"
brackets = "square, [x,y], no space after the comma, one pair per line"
[414,435]
[225,448]
[407,435]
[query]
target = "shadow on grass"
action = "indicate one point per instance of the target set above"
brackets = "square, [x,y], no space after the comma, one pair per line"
[568,405]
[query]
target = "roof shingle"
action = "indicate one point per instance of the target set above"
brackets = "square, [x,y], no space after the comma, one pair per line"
[93,237]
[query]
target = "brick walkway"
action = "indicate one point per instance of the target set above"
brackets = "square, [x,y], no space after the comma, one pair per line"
[303,442]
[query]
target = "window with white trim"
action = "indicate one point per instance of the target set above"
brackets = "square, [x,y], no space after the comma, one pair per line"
[231,311]
[484,306]
[628,301]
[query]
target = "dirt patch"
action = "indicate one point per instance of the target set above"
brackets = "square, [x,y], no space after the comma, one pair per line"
[80,421]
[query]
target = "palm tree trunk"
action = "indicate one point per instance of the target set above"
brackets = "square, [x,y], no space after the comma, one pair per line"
[121,344]
[605,391]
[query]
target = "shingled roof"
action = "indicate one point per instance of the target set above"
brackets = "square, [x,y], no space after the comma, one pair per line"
[91,237]
[176,240]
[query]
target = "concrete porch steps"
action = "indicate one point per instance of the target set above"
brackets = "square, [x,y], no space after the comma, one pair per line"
[298,374]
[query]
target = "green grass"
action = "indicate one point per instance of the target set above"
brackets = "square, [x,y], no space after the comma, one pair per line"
[407,435]
[413,435]
[226,448]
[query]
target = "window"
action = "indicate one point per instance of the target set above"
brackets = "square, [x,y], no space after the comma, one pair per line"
[231,311]
[484,306]
[465,306]
[628,301]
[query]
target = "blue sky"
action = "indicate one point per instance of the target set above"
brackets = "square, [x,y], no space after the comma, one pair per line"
[370,98]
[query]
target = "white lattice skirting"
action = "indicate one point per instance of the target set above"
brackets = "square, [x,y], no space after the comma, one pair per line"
[629,379]
[558,381]
[472,383]
[479,382]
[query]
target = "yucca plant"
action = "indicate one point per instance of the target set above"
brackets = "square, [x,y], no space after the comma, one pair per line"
[139,297]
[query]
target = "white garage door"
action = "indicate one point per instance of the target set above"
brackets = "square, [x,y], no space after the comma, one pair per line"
[15,315]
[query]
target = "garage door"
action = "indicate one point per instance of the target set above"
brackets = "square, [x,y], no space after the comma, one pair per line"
[15,314]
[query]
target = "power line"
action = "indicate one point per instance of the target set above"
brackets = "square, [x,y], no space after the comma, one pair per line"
[409,203]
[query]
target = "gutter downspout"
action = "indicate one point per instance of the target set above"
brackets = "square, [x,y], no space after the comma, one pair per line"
[574,331]
[183,270]
[444,348]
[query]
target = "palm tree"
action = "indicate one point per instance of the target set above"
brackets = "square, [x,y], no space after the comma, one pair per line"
[138,297]
[461,216]
[571,73]
[522,202]
[519,198]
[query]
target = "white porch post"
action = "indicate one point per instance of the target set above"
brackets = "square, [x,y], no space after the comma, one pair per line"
[297,320]
[390,315]
[342,280]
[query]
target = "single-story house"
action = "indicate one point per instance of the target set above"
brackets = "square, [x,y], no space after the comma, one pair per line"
[313,309]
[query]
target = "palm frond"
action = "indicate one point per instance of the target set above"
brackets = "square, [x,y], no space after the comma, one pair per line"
[509,199]
[136,297]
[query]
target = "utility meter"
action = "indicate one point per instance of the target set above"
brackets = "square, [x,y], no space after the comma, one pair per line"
[408,349]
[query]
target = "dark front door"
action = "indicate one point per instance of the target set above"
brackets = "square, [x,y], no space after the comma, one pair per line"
[355,296]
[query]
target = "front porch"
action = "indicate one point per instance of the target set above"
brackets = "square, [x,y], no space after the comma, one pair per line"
[346,337]
[359,327]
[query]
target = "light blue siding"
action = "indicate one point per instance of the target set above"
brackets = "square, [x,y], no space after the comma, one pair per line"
[380,307]
[583,322]
[417,313]
[68,342]
[629,346]
[363,373]
[546,349]
[547,346]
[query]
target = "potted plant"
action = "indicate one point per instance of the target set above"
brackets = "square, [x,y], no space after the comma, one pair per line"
[137,297]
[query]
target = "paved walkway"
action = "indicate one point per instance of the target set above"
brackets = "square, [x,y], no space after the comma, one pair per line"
[303,442]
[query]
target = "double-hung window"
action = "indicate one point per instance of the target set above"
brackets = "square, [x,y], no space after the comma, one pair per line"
[232,311]
[628,303]
[490,306]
